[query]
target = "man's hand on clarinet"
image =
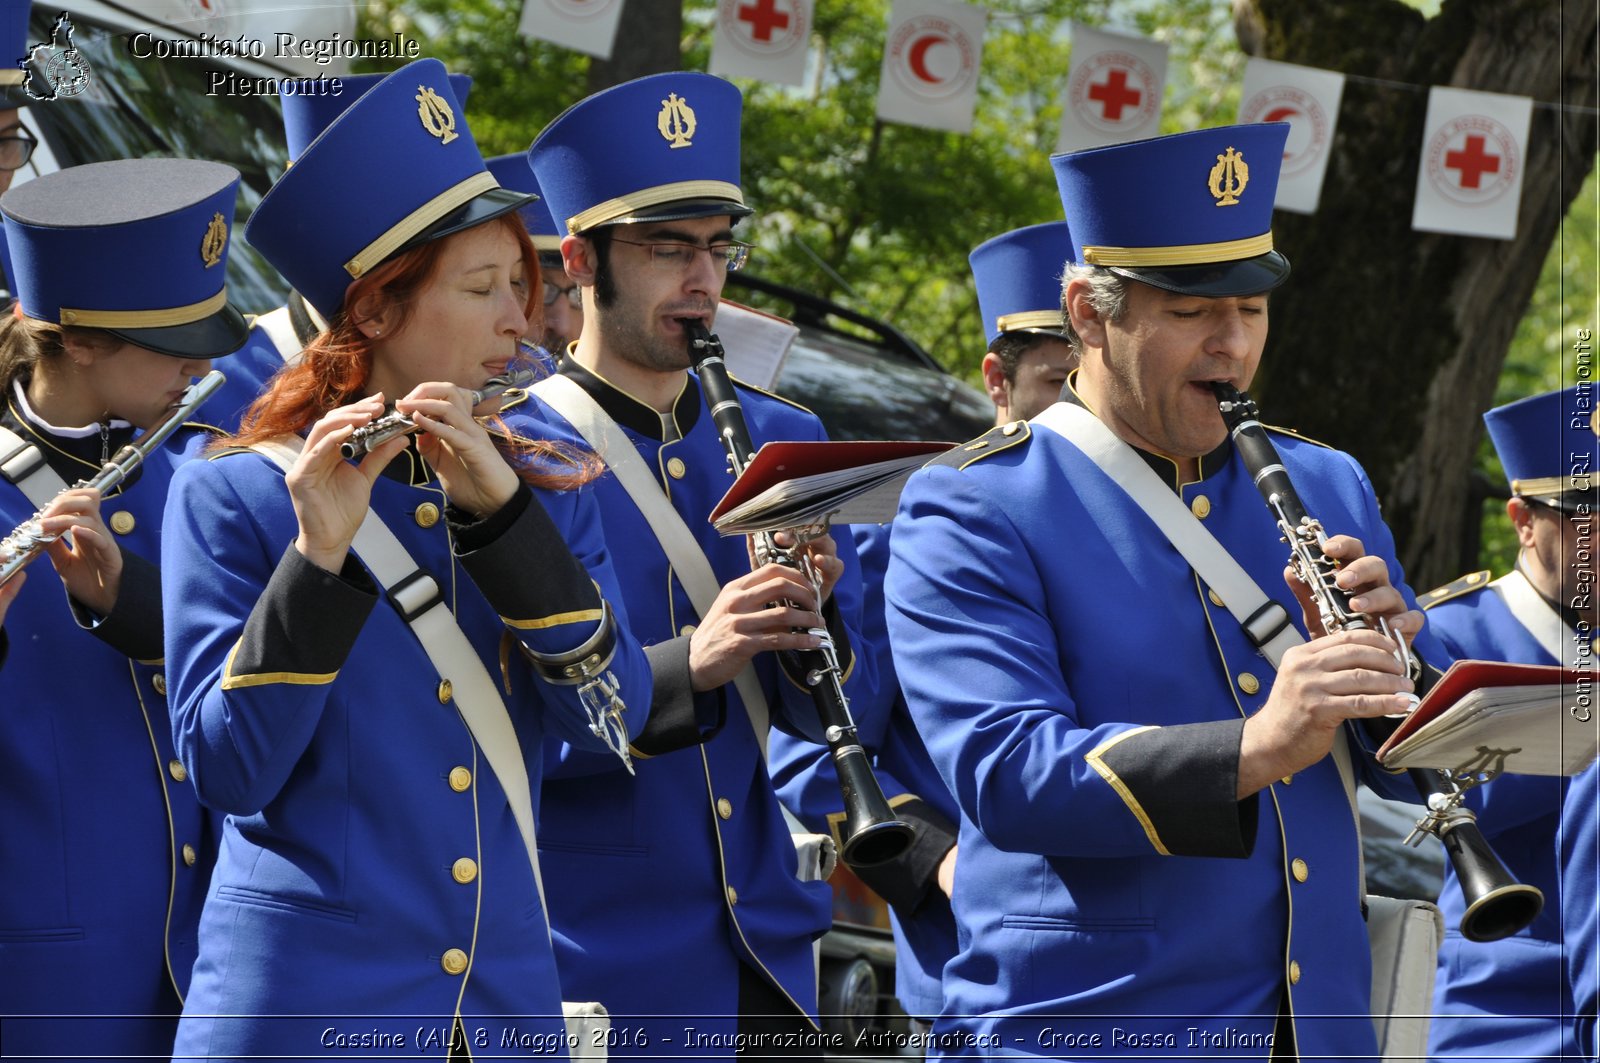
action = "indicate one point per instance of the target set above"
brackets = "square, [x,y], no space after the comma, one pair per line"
[1365,578]
[823,552]
[752,614]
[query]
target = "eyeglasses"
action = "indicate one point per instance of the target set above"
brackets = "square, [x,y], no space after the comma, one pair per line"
[553,291]
[679,256]
[16,149]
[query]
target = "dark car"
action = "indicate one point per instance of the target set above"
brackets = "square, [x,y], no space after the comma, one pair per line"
[864,378]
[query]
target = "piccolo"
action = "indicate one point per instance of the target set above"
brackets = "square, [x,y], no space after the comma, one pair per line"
[372,435]
[28,541]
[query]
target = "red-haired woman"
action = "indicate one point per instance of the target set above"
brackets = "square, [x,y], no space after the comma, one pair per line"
[365,656]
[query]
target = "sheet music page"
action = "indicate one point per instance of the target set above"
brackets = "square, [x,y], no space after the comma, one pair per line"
[754,344]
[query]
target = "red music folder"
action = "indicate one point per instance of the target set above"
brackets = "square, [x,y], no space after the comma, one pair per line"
[1526,719]
[798,483]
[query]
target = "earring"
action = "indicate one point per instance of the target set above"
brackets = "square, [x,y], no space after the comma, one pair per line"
[377,332]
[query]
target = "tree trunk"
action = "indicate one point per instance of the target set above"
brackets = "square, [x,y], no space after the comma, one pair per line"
[1388,342]
[648,42]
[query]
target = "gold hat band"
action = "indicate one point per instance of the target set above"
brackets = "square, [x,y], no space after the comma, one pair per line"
[1180,254]
[622,206]
[546,242]
[418,220]
[1552,485]
[1031,319]
[174,315]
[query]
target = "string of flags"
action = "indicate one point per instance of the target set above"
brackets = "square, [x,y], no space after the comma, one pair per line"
[1475,144]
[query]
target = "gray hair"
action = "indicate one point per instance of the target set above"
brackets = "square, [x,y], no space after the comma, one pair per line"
[1108,294]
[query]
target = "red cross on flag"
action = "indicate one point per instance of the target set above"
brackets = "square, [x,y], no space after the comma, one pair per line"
[763,39]
[1113,90]
[1308,99]
[588,26]
[930,64]
[1474,152]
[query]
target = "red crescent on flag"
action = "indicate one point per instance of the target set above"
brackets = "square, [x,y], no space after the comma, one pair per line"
[916,56]
[1280,114]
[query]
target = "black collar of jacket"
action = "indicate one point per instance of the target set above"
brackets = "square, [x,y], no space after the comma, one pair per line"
[71,458]
[628,411]
[1165,467]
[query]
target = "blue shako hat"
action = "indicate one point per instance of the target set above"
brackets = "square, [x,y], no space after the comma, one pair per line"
[1191,213]
[512,172]
[1547,445]
[306,115]
[1018,275]
[138,247]
[13,51]
[658,148]
[398,168]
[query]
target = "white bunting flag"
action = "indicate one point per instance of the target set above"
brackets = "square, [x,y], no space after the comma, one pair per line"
[588,26]
[762,39]
[1113,89]
[1308,99]
[930,64]
[1474,151]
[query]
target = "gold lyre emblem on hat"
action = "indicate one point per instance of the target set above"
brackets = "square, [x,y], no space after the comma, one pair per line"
[215,241]
[1228,178]
[437,117]
[676,120]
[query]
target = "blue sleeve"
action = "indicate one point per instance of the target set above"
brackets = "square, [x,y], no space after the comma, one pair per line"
[1578,847]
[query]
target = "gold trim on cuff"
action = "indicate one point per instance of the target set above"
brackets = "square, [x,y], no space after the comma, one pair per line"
[173,315]
[262,679]
[418,220]
[1180,254]
[12,77]
[622,206]
[1030,319]
[1116,783]
[578,616]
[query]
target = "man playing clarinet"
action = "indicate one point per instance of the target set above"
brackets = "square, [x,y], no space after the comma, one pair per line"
[717,950]
[1157,853]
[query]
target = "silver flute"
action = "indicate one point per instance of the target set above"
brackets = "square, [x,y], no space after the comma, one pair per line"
[394,423]
[28,541]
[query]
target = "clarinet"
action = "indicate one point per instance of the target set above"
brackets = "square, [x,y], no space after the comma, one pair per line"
[1497,904]
[871,833]
[380,430]
[27,542]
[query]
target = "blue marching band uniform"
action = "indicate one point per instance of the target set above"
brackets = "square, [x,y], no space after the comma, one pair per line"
[1510,996]
[303,815]
[699,822]
[105,853]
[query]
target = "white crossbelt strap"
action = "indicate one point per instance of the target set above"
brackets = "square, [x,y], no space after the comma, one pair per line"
[452,655]
[1536,614]
[688,561]
[23,464]
[1245,599]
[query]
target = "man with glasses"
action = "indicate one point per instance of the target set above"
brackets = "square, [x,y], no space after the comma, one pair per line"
[1502,999]
[673,895]
[16,142]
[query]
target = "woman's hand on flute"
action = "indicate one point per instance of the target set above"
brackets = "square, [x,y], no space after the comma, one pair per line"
[87,559]
[474,474]
[329,494]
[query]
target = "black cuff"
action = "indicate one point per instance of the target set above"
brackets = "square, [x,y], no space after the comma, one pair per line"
[3,647]
[679,717]
[133,627]
[1184,780]
[520,562]
[907,881]
[306,620]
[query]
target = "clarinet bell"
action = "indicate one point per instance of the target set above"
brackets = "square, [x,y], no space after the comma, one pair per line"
[1497,904]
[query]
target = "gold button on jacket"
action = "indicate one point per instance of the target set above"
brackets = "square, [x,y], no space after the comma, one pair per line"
[733,896]
[1300,869]
[460,779]
[676,468]
[177,770]
[1249,683]
[158,683]
[445,691]
[1201,506]
[464,870]
[454,961]
[426,515]
[122,522]
[189,855]
[1294,972]
[724,808]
